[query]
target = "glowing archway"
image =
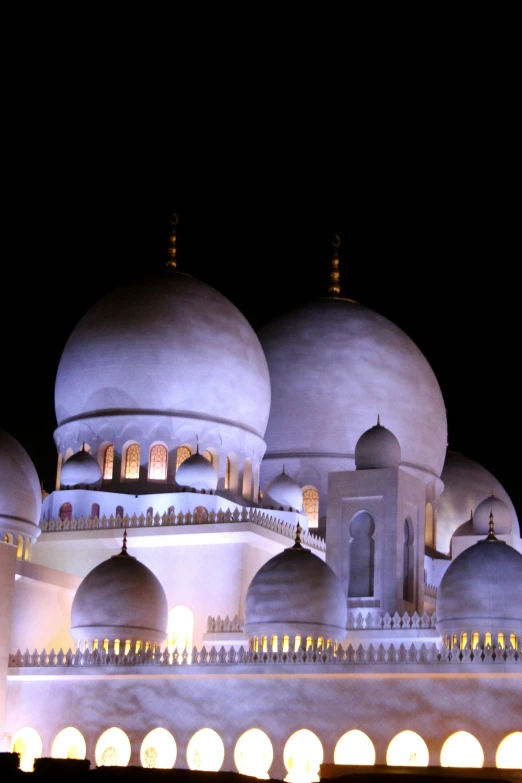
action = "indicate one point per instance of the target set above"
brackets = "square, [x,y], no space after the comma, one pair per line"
[28,743]
[407,749]
[69,743]
[509,752]
[462,750]
[253,754]
[158,750]
[354,747]
[113,749]
[303,755]
[180,630]
[206,751]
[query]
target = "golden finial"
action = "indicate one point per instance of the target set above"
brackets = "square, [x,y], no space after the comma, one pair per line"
[491,533]
[297,544]
[335,287]
[124,547]
[171,252]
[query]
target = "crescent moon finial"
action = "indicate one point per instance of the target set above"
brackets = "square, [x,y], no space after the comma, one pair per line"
[336,241]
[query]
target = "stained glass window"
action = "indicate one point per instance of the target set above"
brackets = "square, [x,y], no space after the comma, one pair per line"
[132,462]
[311,505]
[158,463]
[108,463]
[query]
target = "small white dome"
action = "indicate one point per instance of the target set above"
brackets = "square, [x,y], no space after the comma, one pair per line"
[296,593]
[283,491]
[197,472]
[120,599]
[20,492]
[82,471]
[481,592]
[501,514]
[377,448]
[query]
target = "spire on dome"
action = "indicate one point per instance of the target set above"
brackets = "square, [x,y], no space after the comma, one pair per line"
[124,546]
[297,544]
[378,419]
[171,252]
[335,287]
[491,533]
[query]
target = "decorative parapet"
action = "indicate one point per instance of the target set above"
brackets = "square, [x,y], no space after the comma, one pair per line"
[430,655]
[356,622]
[430,590]
[253,515]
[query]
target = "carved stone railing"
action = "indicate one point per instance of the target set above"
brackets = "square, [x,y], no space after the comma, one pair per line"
[356,622]
[253,515]
[381,654]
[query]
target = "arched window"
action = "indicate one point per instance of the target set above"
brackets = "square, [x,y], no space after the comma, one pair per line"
[247,479]
[509,752]
[302,756]
[513,641]
[183,453]
[208,455]
[227,474]
[6,538]
[311,505]
[407,562]
[180,630]
[463,640]
[132,462]
[362,556]
[108,463]
[158,750]
[69,743]
[205,751]
[487,639]
[407,749]
[501,641]
[200,514]
[119,511]
[20,547]
[158,463]
[150,511]
[254,754]
[355,747]
[429,530]
[113,749]
[28,743]
[95,510]
[474,640]
[462,750]
[65,512]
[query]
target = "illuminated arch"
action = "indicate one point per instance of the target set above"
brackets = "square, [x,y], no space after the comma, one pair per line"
[180,630]
[20,547]
[69,743]
[113,749]
[253,754]
[355,747]
[158,463]
[228,473]
[429,529]
[28,743]
[183,453]
[108,462]
[206,751]
[247,478]
[509,752]
[158,750]
[311,505]
[132,462]
[208,455]
[407,749]
[303,755]
[462,750]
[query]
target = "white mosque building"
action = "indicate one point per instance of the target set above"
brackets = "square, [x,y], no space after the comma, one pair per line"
[259,554]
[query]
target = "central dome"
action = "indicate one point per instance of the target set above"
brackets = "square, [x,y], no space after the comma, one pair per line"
[170,345]
[334,365]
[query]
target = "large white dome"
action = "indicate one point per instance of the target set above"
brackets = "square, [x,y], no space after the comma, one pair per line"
[334,366]
[466,484]
[20,492]
[168,345]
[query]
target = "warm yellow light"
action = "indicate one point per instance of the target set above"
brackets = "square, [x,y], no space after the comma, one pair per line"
[407,749]
[28,743]
[69,743]
[501,642]
[297,643]
[487,639]
[509,752]
[462,750]
[113,749]
[158,750]
[264,644]
[303,755]
[463,640]
[253,754]
[354,747]
[206,751]
[474,640]
[158,463]
[513,641]
[273,644]
[286,643]
[116,646]
[180,630]
[311,505]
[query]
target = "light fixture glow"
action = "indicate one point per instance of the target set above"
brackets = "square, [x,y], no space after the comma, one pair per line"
[253,754]
[354,747]
[509,752]
[462,750]
[206,751]
[69,743]
[158,750]
[113,749]
[407,749]
[28,743]
[303,755]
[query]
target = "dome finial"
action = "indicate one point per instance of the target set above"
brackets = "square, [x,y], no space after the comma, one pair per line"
[124,546]
[297,544]
[171,252]
[335,287]
[378,419]
[491,533]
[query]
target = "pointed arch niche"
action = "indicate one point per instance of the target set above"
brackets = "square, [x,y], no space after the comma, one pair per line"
[408,567]
[361,556]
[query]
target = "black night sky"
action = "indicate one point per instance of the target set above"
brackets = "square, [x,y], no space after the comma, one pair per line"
[420,186]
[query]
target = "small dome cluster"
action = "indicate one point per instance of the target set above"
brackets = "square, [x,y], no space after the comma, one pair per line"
[20,491]
[196,472]
[81,471]
[283,492]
